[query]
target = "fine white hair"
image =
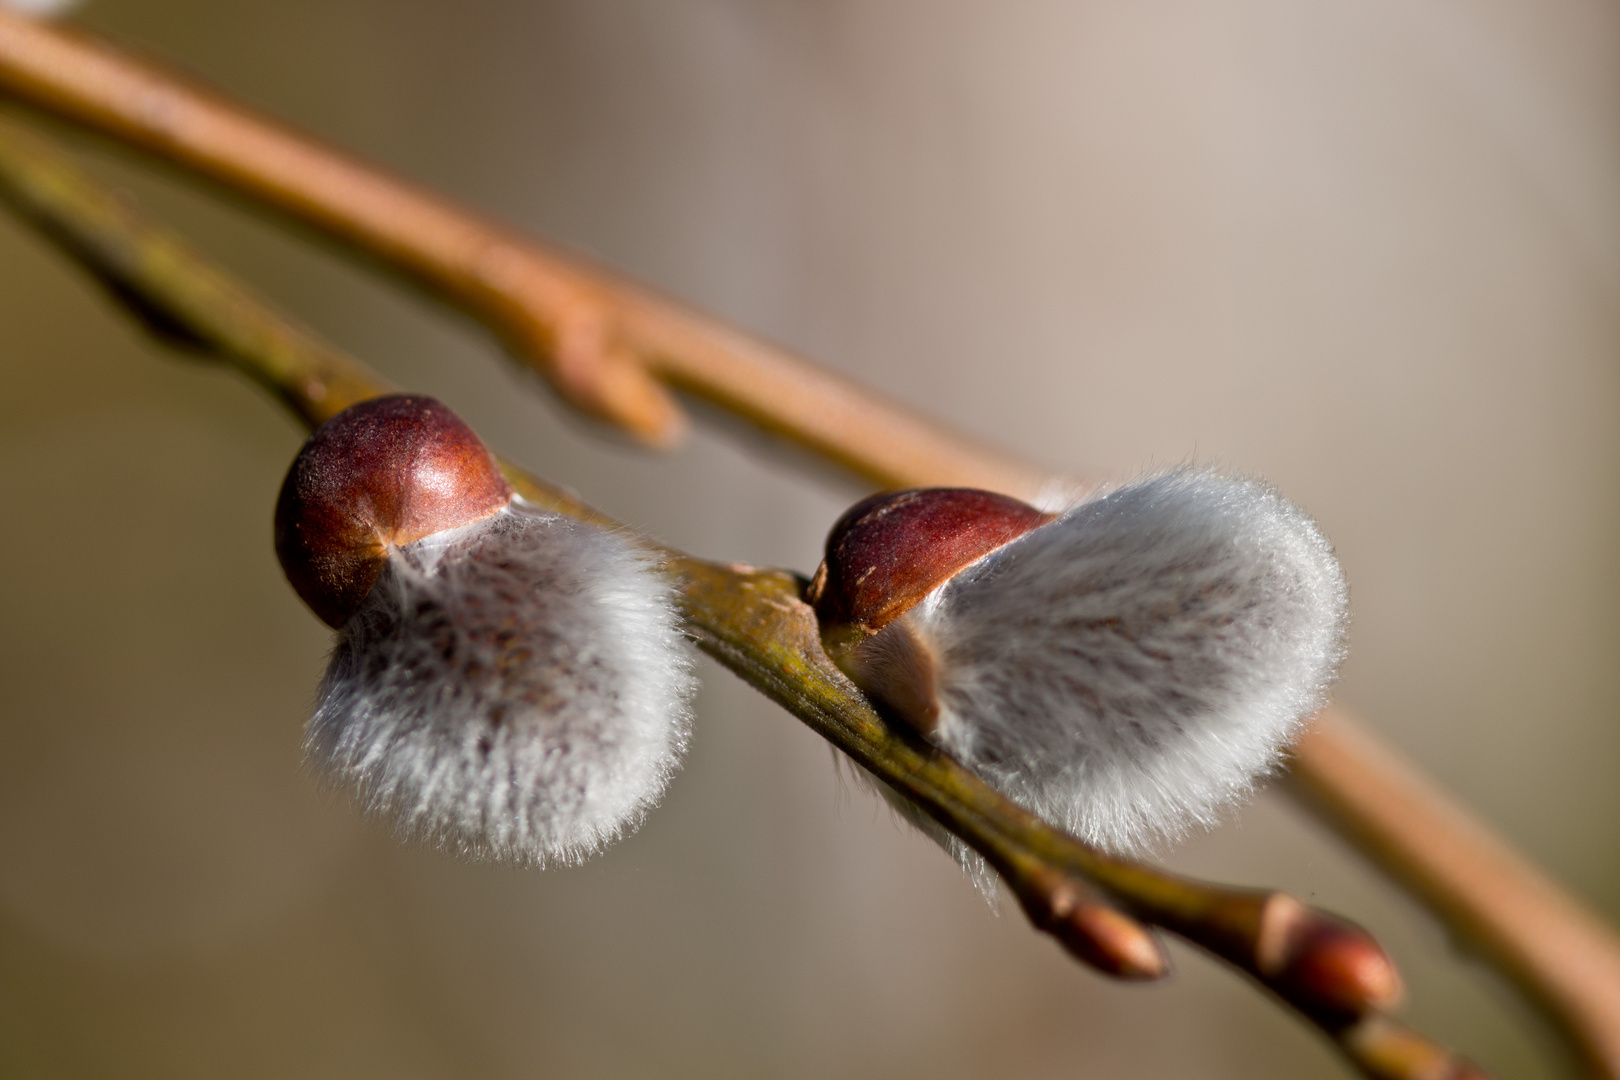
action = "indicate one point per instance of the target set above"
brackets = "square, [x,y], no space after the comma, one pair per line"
[515,689]
[1132,668]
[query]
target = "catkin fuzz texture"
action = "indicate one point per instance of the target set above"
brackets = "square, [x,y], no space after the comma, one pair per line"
[514,689]
[1131,668]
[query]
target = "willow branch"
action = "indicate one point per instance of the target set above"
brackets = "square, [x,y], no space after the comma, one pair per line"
[609,348]
[756,623]
[1492,898]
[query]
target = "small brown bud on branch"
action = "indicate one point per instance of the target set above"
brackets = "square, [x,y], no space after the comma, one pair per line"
[1322,959]
[1089,927]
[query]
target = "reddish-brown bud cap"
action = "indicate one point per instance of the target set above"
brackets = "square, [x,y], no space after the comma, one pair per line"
[1339,964]
[385,472]
[1324,959]
[1088,927]
[891,550]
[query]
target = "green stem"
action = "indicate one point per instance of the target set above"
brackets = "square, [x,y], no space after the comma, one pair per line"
[756,623]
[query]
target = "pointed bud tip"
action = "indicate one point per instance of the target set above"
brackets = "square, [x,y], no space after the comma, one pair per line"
[1116,943]
[1093,931]
[1329,960]
[1340,964]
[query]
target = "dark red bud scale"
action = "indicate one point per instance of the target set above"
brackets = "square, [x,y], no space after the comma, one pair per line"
[386,472]
[1341,966]
[891,550]
[1324,959]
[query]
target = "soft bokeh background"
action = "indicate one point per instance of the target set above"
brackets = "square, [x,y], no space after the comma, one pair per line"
[1368,250]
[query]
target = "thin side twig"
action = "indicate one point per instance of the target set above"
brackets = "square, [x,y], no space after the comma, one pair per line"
[1494,900]
[1328,971]
[606,345]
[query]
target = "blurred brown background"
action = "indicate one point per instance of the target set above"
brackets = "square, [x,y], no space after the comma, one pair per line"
[1368,250]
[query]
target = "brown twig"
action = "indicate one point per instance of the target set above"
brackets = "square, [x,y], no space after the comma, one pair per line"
[1494,900]
[604,344]
[755,622]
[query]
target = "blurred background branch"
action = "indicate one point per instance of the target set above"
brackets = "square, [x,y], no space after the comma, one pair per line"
[1161,406]
[603,344]
[755,623]
[600,342]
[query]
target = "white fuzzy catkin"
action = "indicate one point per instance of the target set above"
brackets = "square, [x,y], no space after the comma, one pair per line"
[514,689]
[1131,669]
